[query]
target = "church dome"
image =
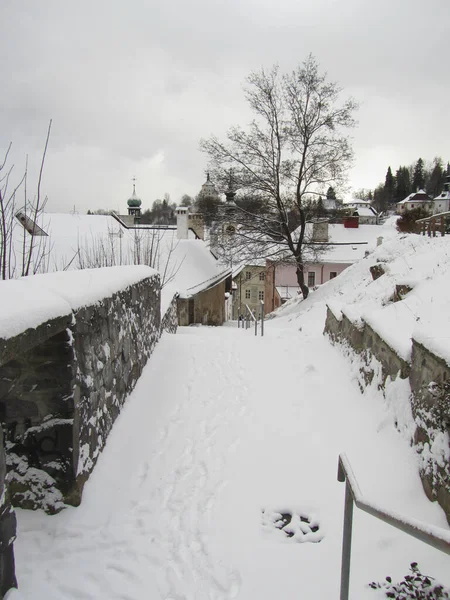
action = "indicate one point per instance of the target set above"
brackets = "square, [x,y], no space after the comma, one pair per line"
[134,201]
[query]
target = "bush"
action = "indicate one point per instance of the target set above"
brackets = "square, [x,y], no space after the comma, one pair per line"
[407,222]
[416,586]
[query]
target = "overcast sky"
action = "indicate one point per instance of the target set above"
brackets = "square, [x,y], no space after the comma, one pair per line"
[133,86]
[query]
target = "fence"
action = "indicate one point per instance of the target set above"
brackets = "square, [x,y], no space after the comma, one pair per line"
[251,316]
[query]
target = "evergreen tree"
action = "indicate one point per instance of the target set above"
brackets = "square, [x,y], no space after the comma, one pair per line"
[435,181]
[331,194]
[186,200]
[389,186]
[402,184]
[208,206]
[379,198]
[418,176]
[321,212]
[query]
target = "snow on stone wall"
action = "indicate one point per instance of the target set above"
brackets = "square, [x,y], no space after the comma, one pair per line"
[429,379]
[63,382]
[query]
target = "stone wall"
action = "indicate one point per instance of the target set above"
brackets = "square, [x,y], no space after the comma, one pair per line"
[7,530]
[112,342]
[169,321]
[60,394]
[430,387]
[429,378]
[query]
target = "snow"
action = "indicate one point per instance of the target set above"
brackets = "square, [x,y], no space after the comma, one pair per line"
[227,433]
[30,301]
[79,241]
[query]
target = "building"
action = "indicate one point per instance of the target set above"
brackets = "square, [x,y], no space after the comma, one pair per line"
[249,283]
[338,245]
[419,199]
[442,202]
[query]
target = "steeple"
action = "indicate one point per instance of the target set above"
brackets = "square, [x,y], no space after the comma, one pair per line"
[208,189]
[134,204]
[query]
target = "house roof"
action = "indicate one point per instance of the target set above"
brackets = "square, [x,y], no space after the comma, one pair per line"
[347,245]
[79,241]
[445,195]
[366,211]
[420,196]
[357,202]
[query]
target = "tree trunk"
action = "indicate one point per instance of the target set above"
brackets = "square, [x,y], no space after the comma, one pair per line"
[301,278]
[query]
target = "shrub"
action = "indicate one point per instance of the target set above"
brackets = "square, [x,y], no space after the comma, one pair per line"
[407,222]
[416,586]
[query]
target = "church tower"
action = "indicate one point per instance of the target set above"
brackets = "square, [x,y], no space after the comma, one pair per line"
[134,206]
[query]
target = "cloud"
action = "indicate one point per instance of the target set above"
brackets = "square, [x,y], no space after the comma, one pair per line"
[129,84]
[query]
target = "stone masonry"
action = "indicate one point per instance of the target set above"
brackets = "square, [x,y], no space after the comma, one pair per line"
[429,378]
[62,386]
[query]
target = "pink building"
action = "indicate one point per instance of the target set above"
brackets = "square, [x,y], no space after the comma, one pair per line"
[343,244]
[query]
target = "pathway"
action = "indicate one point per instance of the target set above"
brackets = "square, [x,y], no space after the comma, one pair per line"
[222,431]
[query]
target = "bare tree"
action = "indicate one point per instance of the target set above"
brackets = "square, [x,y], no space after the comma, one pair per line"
[295,148]
[33,247]
[140,246]
[7,211]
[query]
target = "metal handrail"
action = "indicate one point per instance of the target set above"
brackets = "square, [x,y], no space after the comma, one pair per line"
[434,536]
[250,311]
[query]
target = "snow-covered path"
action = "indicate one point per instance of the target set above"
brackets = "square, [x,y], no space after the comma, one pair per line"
[221,427]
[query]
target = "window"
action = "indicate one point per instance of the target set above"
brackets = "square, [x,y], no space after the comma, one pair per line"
[262,276]
[247,294]
[248,275]
[311,279]
[261,295]
[333,274]
[412,205]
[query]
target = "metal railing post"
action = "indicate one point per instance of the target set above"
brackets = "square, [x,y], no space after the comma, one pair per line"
[346,543]
[262,318]
[429,534]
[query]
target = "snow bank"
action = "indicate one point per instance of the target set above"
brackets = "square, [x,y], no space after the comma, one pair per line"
[30,301]
[422,264]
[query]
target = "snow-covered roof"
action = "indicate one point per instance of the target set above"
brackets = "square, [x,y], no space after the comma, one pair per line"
[366,211]
[286,292]
[357,202]
[419,196]
[86,241]
[347,245]
[445,195]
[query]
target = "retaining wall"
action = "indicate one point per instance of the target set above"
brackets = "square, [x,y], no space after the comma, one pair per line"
[429,378]
[62,385]
[169,321]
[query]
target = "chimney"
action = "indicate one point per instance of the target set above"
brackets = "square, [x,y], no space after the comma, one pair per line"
[320,230]
[182,222]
